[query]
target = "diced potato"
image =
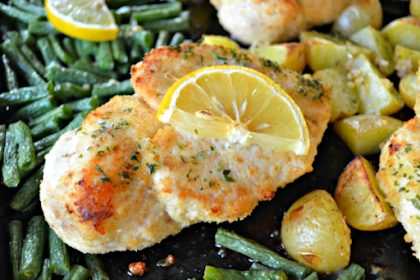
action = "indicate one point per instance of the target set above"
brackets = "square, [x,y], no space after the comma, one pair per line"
[417,103]
[405,32]
[358,15]
[375,40]
[291,55]
[344,101]
[220,41]
[376,93]
[415,8]
[324,51]
[315,233]
[360,200]
[364,133]
[406,60]
[408,90]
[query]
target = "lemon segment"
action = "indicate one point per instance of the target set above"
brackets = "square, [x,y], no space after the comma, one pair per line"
[238,105]
[83,19]
[216,40]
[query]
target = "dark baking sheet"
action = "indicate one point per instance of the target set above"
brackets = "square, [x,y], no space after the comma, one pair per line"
[383,254]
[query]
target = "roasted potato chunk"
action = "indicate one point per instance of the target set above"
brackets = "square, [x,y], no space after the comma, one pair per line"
[324,51]
[375,40]
[363,133]
[344,100]
[376,93]
[405,32]
[406,60]
[291,55]
[415,8]
[315,233]
[408,90]
[360,200]
[360,14]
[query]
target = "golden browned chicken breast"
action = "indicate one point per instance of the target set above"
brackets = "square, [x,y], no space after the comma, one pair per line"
[270,21]
[125,181]
[399,178]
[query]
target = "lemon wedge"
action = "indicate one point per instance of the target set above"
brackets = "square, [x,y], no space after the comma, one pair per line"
[83,19]
[216,40]
[238,105]
[291,55]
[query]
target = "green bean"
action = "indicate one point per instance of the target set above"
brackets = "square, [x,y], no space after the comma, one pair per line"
[104,56]
[31,57]
[65,91]
[153,14]
[18,14]
[46,273]
[62,113]
[353,272]
[40,156]
[146,49]
[78,77]
[47,141]
[126,11]
[162,39]
[69,47]
[25,94]
[144,38]
[85,104]
[34,109]
[258,266]
[127,30]
[96,267]
[187,41]
[89,67]
[312,276]
[118,50]
[177,39]
[124,68]
[16,57]
[30,8]
[44,129]
[180,23]
[258,252]
[59,51]
[10,168]
[117,17]
[39,161]
[15,37]
[59,254]
[41,28]
[113,88]
[83,56]
[118,3]
[2,138]
[11,78]
[28,192]
[47,52]
[212,273]
[16,241]
[75,123]
[33,247]
[77,272]
[25,150]
[89,47]
[27,38]
[136,53]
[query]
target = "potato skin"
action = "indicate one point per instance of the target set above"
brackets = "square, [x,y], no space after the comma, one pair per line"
[314,232]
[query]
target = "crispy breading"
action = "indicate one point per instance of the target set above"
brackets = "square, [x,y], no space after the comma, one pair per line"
[398,178]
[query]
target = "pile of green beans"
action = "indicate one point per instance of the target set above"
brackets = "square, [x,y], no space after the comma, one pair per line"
[52,83]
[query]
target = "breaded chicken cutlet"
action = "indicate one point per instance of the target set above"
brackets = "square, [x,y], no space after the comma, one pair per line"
[91,194]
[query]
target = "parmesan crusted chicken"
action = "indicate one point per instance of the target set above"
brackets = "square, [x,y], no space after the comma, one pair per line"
[268,21]
[125,181]
[399,176]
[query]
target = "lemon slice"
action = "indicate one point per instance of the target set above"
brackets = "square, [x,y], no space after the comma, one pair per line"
[237,104]
[220,41]
[83,19]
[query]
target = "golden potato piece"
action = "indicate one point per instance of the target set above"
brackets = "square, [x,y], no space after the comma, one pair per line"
[360,14]
[363,133]
[320,12]
[415,8]
[376,93]
[408,90]
[406,60]
[405,32]
[375,40]
[325,51]
[344,100]
[315,233]
[360,200]
[217,40]
[291,55]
